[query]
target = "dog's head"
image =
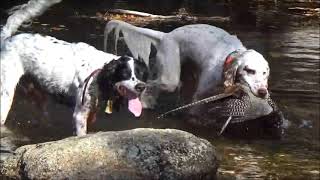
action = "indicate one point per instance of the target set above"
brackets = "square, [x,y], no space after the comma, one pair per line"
[248,68]
[124,78]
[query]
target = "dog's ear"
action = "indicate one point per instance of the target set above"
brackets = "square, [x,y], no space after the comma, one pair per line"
[230,69]
[107,71]
[105,78]
[230,77]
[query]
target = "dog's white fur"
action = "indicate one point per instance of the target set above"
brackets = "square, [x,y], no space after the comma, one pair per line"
[252,69]
[206,46]
[59,66]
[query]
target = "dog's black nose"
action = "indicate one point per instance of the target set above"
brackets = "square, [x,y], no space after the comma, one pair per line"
[140,87]
[262,92]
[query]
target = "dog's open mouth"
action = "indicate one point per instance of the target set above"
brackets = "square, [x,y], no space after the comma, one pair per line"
[134,103]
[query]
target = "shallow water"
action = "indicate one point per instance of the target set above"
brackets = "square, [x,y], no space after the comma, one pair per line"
[290,43]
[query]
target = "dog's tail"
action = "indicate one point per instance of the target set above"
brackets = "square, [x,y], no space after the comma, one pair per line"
[139,40]
[24,13]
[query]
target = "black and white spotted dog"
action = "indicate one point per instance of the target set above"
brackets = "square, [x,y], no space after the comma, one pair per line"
[76,70]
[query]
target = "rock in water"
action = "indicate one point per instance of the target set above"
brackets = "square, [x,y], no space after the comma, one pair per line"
[131,154]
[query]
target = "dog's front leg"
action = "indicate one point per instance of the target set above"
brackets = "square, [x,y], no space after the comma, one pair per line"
[80,119]
[85,110]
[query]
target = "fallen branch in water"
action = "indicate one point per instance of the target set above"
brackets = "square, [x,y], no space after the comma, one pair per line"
[305,11]
[136,13]
[142,18]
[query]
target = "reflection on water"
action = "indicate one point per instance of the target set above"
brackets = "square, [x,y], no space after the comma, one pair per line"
[292,49]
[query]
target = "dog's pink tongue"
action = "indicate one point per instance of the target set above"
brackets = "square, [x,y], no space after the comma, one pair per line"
[134,106]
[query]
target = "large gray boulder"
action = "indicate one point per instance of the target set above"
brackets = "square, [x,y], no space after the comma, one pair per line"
[131,154]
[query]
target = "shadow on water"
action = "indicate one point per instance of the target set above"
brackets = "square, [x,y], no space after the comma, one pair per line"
[289,41]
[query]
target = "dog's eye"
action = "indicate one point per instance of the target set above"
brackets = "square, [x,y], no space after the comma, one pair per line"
[249,71]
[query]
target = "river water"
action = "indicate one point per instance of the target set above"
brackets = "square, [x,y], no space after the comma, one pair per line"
[287,39]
